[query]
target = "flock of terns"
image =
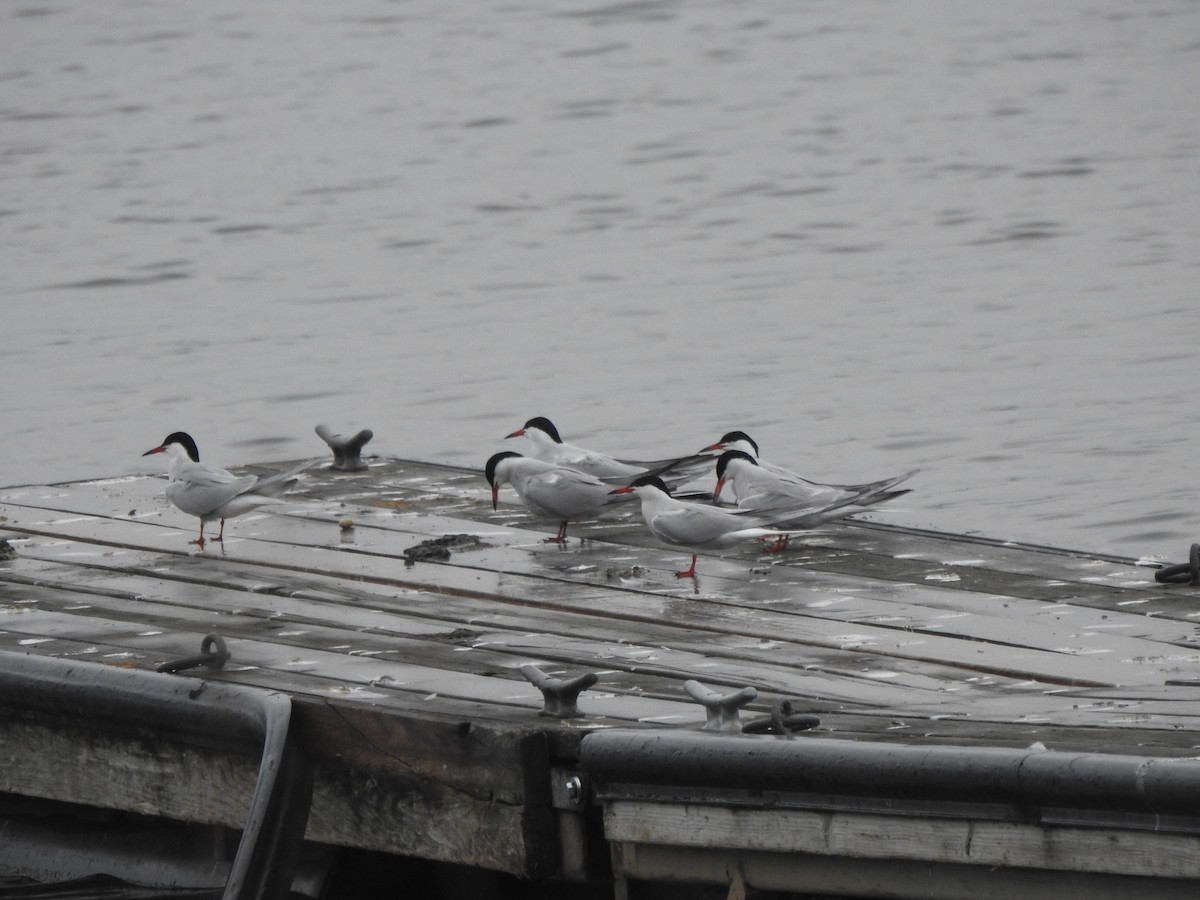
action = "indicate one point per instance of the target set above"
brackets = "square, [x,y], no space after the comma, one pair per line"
[559,481]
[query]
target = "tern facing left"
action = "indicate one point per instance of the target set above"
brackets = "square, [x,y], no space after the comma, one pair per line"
[758,488]
[553,492]
[698,525]
[549,447]
[210,493]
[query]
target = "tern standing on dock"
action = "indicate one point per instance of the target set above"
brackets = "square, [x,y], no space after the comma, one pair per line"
[700,525]
[554,492]
[211,493]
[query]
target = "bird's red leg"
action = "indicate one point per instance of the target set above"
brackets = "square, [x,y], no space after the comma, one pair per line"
[781,543]
[221,535]
[561,537]
[199,540]
[691,572]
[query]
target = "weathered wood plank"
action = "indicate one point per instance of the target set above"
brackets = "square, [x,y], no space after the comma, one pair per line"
[490,577]
[481,577]
[1037,710]
[856,561]
[838,642]
[850,836]
[308,670]
[876,689]
[810,875]
[425,488]
[376,630]
[413,787]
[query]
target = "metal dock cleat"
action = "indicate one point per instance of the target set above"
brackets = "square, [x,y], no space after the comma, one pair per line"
[722,709]
[561,695]
[347,451]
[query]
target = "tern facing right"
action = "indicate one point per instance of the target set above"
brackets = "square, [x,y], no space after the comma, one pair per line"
[210,493]
[701,525]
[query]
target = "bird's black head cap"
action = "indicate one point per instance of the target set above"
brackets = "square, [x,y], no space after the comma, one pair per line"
[184,440]
[730,436]
[652,480]
[728,456]
[545,425]
[489,470]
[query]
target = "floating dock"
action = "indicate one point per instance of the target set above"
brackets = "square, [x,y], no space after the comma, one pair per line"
[353,690]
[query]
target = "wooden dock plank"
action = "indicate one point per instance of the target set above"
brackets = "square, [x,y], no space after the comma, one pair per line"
[490,577]
[939,840]
[855,542]
[841,645]
[380,677]
[987,630]
[425,489]
[366,677]
[648,670]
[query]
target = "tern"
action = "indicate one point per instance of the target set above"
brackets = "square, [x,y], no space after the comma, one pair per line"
[739,440]
[211,493]
[548,446]
[757,488]
[701,525]
[553,492]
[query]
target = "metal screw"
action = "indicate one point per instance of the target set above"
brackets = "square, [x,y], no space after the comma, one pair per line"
[574,789]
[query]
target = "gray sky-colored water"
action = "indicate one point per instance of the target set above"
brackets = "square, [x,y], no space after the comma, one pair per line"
[877,236]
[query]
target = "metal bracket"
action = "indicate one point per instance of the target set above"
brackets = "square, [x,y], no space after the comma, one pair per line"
[347,451]
[214,659]
[722,709]
[570,789]
[560,695]
[1189,571]
[580,844]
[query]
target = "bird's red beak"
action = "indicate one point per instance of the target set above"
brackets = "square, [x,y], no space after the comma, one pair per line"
[155,450]
[518,433]
[622,490]
[495,494]
[717,490]
[713,447]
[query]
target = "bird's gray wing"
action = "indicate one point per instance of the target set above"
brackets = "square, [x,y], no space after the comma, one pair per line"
[689,525]
[274,485]
[204,489]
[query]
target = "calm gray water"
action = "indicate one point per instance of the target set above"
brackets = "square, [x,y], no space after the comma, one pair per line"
[875,235]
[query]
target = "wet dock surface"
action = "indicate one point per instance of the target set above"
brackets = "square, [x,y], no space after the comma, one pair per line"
[887,634]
